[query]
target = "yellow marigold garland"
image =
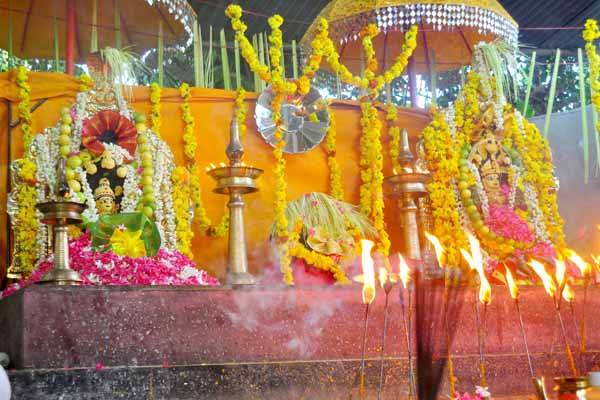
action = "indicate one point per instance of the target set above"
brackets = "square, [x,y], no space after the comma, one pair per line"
[394,132]
[27,223]
[281,89]
[85,83]
[23,107]
[319,261]
[189,150]
[181,205]
[371,161]
[590,34]
[335,173]
[240,111]
[155,117]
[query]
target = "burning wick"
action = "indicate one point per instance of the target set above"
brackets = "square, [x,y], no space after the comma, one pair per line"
[475,260]
[387,286]
[586,272]
[405,278]
[368,295]
[514,293]
[439,254]
[550,288]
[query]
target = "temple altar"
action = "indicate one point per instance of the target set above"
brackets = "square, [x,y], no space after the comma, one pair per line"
[214,109]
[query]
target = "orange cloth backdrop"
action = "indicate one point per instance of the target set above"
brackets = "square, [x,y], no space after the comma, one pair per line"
[213,110]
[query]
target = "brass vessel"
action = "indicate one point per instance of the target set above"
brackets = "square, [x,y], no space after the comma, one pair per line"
[236,180]
[408,185]
[59,215]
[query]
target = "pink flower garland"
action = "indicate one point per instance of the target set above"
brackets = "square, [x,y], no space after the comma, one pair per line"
[107,268]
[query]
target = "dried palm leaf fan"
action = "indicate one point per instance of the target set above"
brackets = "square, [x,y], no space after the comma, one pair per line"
[331,218]
[119,67]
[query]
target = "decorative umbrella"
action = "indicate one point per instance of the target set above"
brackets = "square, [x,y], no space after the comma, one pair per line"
[448,30]
[71,29]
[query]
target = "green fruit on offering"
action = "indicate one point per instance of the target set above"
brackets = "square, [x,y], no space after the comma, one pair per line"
[472,210]
[139,117]
[465,194]
[141,127]
[65,150]
[65,111]
[64,140]
[148,190]
[148,198]
[148,171]
[142,139]
[74,162]
[65,130]
[74,185]
[69,174]
[147,181]
[67,120]
[462,185]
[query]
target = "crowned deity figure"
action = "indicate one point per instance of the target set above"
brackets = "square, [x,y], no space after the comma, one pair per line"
[114,163]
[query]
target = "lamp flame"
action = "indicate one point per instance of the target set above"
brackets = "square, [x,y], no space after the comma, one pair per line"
[383,276]
[404,271]
[583,266]
[439,249]
[475,260]
[568,293]
[512,285]
[368,290]
[561,269]
[540,270]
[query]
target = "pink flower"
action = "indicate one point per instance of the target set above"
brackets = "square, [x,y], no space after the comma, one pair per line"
[107,268]
[99,366]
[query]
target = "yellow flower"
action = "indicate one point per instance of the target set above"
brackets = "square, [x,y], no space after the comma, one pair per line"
[127,243]
[335,174]
[155,118]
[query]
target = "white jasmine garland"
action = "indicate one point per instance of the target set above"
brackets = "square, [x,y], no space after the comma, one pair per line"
[481,193]
[131,190]
[119,154]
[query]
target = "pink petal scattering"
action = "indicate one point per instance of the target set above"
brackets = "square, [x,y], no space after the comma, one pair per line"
[107,268]
[503,221]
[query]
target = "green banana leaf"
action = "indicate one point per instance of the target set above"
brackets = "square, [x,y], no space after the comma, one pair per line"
[102,230]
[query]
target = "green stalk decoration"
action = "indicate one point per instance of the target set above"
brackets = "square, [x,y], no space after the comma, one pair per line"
[225,61]
[529,82]
[294,59]
[267,57]
[94,35]
[56,45]
[283,60]
[256,77]
[261,56]
[197,56]
[552,93]
[118,41]
[209,61]
[584,121]
[201,57]
[160,54]
[238,74]
[596,141]
[433,80]
[10,35]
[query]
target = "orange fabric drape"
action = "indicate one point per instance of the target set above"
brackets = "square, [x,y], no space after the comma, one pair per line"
[213,110]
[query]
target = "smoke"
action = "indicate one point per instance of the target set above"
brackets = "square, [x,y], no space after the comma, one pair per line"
[292,318]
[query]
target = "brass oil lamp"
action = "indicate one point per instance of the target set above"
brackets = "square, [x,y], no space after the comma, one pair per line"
[407,186]
[59,213]
[236,180]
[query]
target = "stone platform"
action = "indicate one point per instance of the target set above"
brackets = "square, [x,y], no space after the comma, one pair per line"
[271,343]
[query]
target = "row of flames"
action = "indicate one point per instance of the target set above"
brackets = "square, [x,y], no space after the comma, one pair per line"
[559,284]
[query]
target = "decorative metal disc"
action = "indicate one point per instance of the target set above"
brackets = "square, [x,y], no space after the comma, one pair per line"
[305,120]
